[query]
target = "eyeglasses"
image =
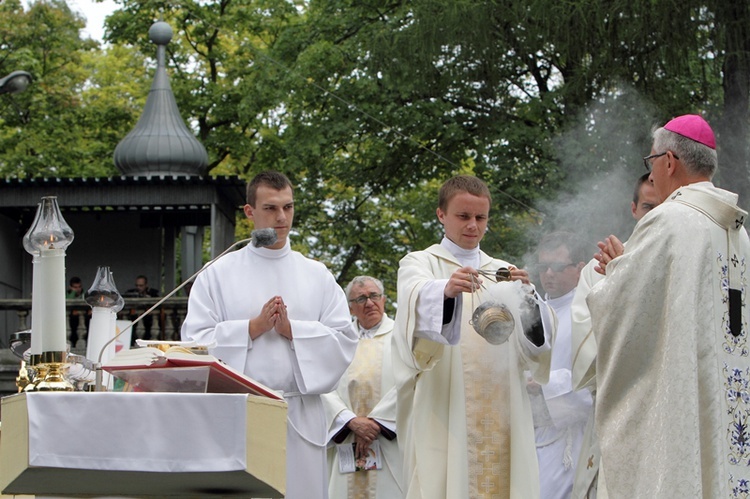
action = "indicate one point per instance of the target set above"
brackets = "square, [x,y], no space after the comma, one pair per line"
[541,268]
[648,163]
[361,300]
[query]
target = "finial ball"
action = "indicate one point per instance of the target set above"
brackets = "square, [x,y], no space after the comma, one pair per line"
[160,33]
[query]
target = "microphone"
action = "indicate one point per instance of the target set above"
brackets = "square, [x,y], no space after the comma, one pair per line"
[260,238]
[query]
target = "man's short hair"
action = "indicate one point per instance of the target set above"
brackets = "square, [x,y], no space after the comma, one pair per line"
[360,280]
[573,242]
[270,178]
[638,184]
[75,280]
[699,159]
[462,183]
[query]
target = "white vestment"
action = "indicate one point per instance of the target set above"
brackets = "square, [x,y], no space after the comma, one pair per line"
[230,293]
[367,389]
[583,341]
[560,413]
[584,377]
[464,419]
[672,401]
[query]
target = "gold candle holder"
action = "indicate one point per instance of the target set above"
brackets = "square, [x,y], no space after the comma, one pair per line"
[22,380]
[54,379]
[38,371]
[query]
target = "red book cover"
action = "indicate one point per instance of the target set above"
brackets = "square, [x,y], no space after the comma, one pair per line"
[178,370]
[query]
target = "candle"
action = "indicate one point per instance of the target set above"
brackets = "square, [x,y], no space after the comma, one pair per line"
[105,302]
[101,330]
[36,308]
[46,241]
[52,300]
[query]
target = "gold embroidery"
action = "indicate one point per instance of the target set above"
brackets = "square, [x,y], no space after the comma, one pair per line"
[485,369]
[363,383]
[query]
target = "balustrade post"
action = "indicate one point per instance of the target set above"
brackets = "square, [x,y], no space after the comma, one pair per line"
[169,317]
[22,315]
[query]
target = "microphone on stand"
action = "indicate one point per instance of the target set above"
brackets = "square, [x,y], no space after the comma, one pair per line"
[260,238]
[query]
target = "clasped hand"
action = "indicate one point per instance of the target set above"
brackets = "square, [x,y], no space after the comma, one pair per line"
[365,432]
[272,315]
[609,249]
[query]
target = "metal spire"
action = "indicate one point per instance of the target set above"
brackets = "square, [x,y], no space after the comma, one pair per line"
[160,143]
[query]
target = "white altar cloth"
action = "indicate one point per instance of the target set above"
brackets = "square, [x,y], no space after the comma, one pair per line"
[114,443]
[106,431]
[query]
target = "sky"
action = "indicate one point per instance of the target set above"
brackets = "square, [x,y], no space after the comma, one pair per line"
[94,13]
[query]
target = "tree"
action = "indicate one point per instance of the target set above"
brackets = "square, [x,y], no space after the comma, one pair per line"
[733,40]
[364,104]
[66,123]
[368,106]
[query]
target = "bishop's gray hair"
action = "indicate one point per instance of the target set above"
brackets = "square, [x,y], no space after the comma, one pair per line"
[698,158]
[360,280]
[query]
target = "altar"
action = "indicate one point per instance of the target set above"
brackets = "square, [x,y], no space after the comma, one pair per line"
[143,444]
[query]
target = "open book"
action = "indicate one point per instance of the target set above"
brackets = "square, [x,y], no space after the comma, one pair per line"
[180,369]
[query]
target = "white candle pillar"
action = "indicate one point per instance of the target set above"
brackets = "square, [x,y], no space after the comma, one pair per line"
[105,302]
[36,308]
[101,330]
[52,268]
[46,241]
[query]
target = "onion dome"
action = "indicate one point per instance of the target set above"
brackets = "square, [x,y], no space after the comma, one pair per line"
[160,143]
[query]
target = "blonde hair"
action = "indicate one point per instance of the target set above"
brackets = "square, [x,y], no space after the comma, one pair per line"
[462,183]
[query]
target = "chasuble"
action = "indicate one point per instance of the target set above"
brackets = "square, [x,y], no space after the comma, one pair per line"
[673,364]
[464,418]
[583,345]
[367,389]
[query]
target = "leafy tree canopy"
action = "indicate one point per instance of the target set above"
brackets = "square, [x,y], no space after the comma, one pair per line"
[370,105]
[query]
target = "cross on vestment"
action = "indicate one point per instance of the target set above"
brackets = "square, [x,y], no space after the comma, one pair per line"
[488,484]
[487,422]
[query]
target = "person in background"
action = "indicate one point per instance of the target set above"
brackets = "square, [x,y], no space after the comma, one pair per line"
[362,410]
[464,419]
[282,319]
[75,292]
[671,327]
[584,348]
[141,290]
[560,412]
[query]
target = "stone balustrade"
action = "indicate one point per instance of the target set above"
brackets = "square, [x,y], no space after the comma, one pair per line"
[165,323]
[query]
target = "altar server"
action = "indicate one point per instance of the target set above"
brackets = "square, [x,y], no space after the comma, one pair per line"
[282,319]
[560,411]
[464,418]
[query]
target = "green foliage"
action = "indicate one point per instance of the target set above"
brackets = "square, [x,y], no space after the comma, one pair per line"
[80,104]
[370,105]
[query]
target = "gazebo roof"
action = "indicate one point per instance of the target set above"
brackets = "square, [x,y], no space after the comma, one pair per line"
[158,193]
[160,143]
